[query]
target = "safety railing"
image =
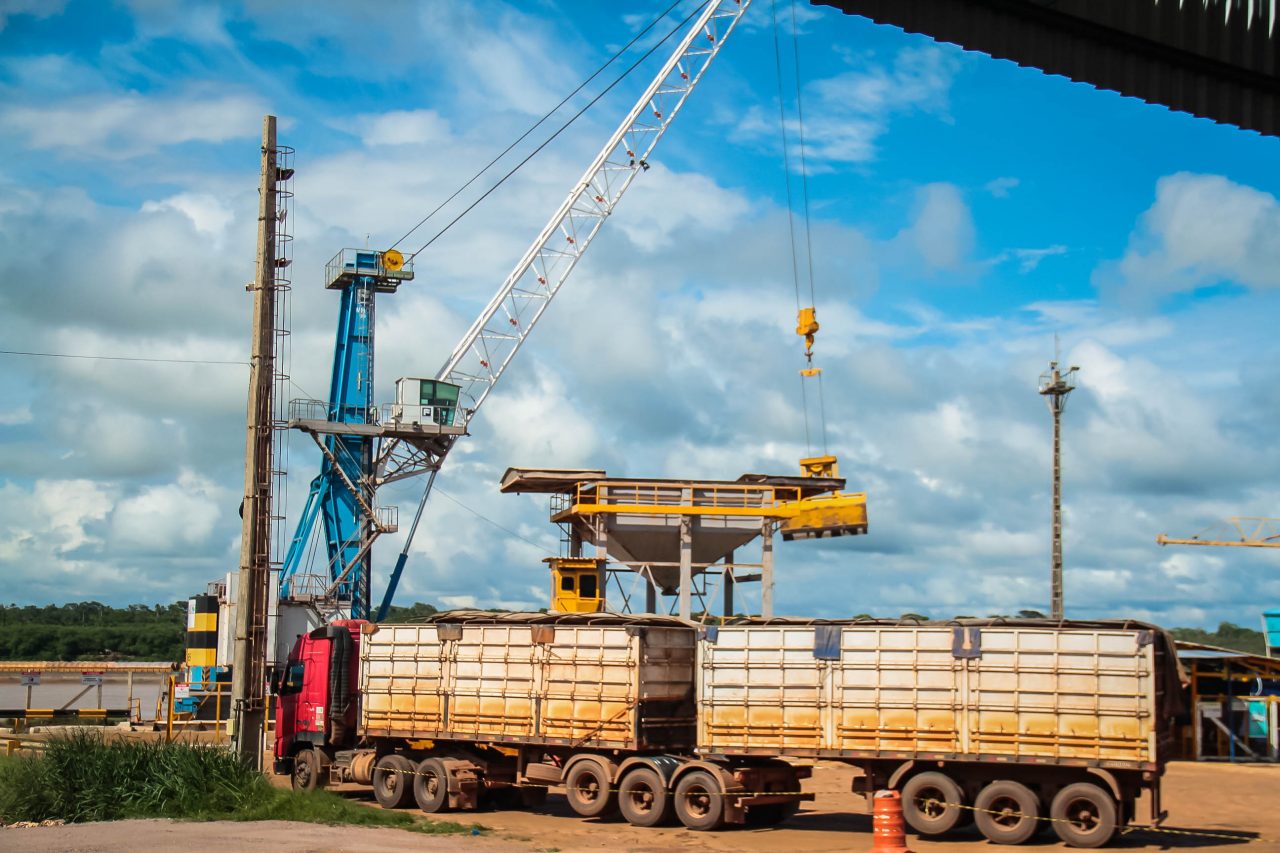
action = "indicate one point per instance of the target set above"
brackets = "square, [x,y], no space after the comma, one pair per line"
[199,705]
[694,495]
[390,414]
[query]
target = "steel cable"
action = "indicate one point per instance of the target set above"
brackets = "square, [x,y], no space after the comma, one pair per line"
[538,123]
[561,129]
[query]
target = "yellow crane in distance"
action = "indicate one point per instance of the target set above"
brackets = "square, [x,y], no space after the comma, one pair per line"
[1250,532]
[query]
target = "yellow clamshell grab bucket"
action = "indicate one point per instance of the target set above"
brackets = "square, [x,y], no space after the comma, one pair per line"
[823,516]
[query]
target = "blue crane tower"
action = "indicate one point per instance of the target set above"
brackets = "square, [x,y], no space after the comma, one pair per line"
[349,429]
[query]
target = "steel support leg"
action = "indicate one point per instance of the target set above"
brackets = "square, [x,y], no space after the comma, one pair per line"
[686,567]
[766,571]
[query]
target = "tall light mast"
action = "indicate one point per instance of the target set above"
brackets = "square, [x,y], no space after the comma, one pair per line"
[1054,387]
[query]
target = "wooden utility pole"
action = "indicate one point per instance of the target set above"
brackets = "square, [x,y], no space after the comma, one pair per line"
[248,676]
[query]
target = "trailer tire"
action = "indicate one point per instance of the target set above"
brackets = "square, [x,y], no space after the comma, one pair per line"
[699,801]
[1007,812]
[644,798]
[586,787]
[431,786]
[392,785]
[932,803]
[1084,815]
[307,768]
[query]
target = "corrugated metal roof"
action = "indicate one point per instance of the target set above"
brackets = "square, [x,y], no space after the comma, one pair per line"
[1211,58]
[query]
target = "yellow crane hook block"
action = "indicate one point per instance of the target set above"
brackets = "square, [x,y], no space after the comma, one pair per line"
[807,326]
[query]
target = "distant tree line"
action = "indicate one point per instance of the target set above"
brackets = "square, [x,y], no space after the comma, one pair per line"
[91,631]
[1228,636]
[397,615]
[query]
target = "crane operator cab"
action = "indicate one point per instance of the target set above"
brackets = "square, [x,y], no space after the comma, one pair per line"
[425,402]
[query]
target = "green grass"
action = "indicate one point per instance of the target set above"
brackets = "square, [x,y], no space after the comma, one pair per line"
[85,777]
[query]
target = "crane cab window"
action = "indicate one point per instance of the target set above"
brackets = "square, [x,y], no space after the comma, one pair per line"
[566,583]
[587,586]
[442,397]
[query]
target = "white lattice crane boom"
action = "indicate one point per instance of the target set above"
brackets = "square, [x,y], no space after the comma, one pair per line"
[1235,532]
[485,351]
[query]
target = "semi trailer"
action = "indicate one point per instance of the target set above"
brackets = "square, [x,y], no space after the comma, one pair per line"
[1015,725]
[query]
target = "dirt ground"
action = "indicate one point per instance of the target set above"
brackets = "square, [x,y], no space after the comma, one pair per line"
[1242,802]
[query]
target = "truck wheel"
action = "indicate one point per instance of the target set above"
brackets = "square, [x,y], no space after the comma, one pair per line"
[393,781]
[306,770]
[431,786]
[931,803]
[1007,812]
[699,801]
[644,798]
[1084,815]
[587,789]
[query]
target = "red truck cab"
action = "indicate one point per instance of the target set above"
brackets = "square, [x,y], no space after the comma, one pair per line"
[317,693]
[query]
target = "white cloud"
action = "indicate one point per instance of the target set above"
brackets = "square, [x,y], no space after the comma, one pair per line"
[849,113]
[505,54]
[540,424]
[1001,187]
[1201,230]
[169,519]
[404,127]
[66,508]
[942,234]
[130,124]
[1029,259]
[15,417]
[189,22]
[667,206]
[34,8]
[209,214]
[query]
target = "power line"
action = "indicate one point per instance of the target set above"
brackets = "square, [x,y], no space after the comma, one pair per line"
[483,517]
[539,122]
[562,128]
[122,358]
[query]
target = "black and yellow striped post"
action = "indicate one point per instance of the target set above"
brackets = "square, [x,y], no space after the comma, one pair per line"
[202,637]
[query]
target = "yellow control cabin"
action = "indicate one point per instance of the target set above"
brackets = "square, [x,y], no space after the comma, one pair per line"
[577,584]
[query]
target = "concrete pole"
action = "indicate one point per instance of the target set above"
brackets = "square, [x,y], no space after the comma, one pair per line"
[766,570]
[248,674]
[686,567]
[1055,385]
[1055,598]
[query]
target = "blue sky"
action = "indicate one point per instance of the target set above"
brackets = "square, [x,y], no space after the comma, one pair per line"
[964,211]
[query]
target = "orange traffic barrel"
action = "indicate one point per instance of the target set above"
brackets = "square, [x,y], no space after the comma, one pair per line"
[889,832]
